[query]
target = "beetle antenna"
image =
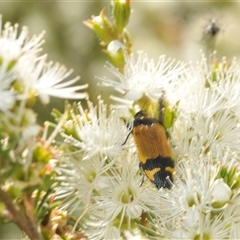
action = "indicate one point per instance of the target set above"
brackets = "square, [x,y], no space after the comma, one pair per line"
[126,138]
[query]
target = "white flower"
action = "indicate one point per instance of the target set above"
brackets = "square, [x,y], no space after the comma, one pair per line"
[221,192]
[208,112]
[78,180]
[214,87]
[12,46]
[122,199]
[46,79]
[144,77]
[10,51]
[220,132]
[97,133]
[20,63]
[201,204]
[89,153]
[114,46]
[206,228]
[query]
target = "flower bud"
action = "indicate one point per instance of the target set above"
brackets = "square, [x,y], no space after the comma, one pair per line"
[102,27]
[116,51]
[121,12]
[221,193]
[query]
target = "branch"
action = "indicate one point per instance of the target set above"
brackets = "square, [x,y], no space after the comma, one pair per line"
[24,223]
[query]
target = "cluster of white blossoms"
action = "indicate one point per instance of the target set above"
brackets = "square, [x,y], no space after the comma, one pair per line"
[100,175]
[25,74]
[27,158]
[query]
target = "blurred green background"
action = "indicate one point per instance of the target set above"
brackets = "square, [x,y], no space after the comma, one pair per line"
[173,28]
